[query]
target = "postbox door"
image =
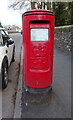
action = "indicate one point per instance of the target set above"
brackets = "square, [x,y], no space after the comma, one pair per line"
[40,47]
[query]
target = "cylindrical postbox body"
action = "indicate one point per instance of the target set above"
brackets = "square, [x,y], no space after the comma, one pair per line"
[38,48]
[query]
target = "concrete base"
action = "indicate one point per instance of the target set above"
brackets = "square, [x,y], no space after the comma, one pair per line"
[37,90]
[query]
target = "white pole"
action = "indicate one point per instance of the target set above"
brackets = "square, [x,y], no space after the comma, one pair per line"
[51,4]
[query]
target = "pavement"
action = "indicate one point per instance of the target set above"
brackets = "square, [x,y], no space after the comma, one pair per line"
[17,111]
[0,105]
[56,104]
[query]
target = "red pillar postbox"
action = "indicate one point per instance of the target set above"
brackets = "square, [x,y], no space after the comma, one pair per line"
[38,44]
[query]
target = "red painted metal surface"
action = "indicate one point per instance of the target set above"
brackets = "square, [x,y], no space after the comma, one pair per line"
[38,55]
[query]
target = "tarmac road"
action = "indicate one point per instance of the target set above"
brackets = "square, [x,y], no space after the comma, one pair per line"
[8,95]
[56,104]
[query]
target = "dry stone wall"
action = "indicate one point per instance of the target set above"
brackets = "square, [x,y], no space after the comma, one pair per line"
[64,38]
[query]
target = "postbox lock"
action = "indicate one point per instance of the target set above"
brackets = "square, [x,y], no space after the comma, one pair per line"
[50,54]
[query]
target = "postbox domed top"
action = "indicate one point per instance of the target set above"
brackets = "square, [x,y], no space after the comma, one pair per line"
[38,11]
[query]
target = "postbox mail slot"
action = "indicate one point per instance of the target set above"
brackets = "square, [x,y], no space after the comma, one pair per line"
[39,25]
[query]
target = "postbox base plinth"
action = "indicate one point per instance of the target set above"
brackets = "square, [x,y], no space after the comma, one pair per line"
[37,90]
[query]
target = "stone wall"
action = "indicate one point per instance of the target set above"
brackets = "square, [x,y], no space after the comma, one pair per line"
[64,38]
